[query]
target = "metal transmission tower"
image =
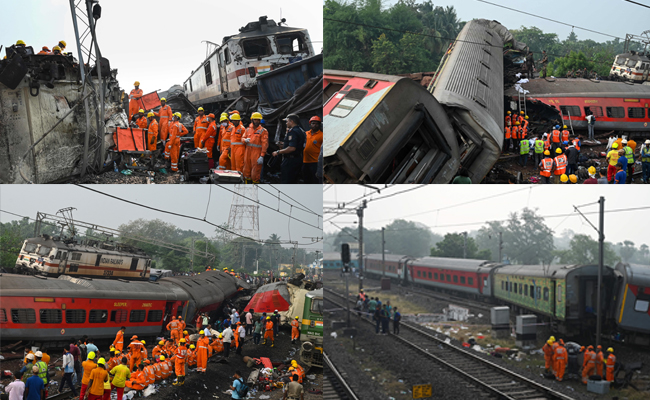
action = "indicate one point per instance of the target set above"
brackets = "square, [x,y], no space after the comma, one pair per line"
[85,13]
[244,212]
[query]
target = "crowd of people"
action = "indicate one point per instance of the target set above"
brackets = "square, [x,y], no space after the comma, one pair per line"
[229,143]
[381,313]
[558,360]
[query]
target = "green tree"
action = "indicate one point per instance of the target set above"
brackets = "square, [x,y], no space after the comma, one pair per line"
[527,239]
[413,53]
[453,246]
[575,61]
[10,244]
[627,250]
[585,250]
[406,237]
[385,57]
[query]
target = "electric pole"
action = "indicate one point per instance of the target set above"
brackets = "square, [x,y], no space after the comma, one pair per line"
[360,215]
[601,258]
[500,246]
[464,244]
[383,254]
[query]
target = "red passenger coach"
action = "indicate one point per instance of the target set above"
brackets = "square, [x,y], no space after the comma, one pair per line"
[453,274]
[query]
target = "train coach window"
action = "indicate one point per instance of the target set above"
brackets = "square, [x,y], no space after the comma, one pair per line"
[58,255]
[470,281]
[595,110]
[258,47]
[50,316]
[208,73]
[545,294]
[503,285]
[30,247]
[76,256]
[289,44]
[97,316]
[448,278]
[462,280]
[641,305]
[455,278]
[538,293]
[23,316]
[154,316]
[43,251]
[636,112]
[137,315]
[525,290]
[119,315]
[3,316]
[348,103]
[532,292]
[429,274]
[435,276]
[571,110]
[75,316]
[615,112]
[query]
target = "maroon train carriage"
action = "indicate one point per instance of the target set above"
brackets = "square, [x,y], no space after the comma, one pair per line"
[456,275]
[394,265]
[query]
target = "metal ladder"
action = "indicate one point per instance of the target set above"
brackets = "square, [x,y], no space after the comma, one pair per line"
[522,102]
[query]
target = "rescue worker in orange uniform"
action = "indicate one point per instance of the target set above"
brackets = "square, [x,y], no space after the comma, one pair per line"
[256,138]
[589,365]
[158,350]
[546,167]
[174,329]
[143,351]
[295,330]
[152,137]
[191,356]
[268,333]
[141,121]
[113,360]
[559,162]
[515,133]
[202,352]
[136,352]
[134,99]
[313,143]
[174,143]
[611,363]
[118,343]
[149,373]
[157,368]
[217,345]
[87,366]
[508,135]
[207,141]
[200,126]
[225,130]
[45,51]
[508,119]
[165,114]
[300,371]
[164,367]
[560,360]
[600,360]
[181,362]
[183,324]
[137,381]
[548,355]
[237,147]
[556,135]
[565,134]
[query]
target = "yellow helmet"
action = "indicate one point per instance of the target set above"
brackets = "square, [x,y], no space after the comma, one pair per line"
[184,332]
[20,42]
[564,127]
[614,145]
[220,335]
[573,178]
[256,115]
[137,83]
[182,340]
[143,342]
[521,112]
[91,355]
[55,48]
[192,346]
[592,170]
[151,114]
[296,317]
[549,341]
[200,109]
[552,338]
[547,153]
[294,363]
[232,270]
[162,342]
[526,117]
[235,117]
[162,358]
[141,111]
[509,113]
[163,99]
[268,317]
[101,361]
[558,150]
[63,43]
[177,115]
[564,178]
[610,350]
[223,118]
[111,348]
[517,123]
[201,333]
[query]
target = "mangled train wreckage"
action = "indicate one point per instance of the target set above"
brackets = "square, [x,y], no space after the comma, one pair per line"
[388,129]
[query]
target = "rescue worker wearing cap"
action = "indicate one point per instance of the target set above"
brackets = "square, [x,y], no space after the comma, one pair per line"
[135,348]
[56,51]
[164,367]
[508,118]
[589,367]
[149,374]
[208,138]
[295,330]
[174,144]
[612,159]
[181,362]
[158,350]
[556,136]
[113,360]
[600,360]
[137,381]
[225,129]
[559,163]
[524,125]
[165,114]
[524,150]
[237,146]
[256,138]
[539,150]
[508,135]
[141,121]
[118,343]
[629,154]
[560,361]
[98,376]
[548,356]
[87,366]
[217,345]
[143,350]
[200,127]
[157,369]
[299,370]
[565,134]
[152,132]
[61,45]
[174,328]
[27,368]
[45,51]
[294,144]
[516,136]
[202,352]
[268,332]
[313,144]
[610,364]
[134,99]
[191,356]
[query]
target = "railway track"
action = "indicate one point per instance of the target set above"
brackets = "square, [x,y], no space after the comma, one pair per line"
[335,386]
[493,378]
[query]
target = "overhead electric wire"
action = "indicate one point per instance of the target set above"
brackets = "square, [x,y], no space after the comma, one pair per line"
[294,200]
[270,208]
[186,216]
[286,202]
[348,233]
[638,4]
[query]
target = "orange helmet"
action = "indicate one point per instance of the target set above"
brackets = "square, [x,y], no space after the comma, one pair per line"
[315,118]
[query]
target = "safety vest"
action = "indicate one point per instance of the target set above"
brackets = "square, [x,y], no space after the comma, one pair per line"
[576,143]
[42,371]
[592,358]
[181,353]
[611,361]
[555,137]
[508,133]
[523,146]
[539,146]
[560,353]
[515,132]
[629,154]
[560,164]
[645,154]
[507,120]
[547,166]
[565,136]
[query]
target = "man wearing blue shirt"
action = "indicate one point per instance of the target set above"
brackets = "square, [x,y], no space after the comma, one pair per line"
[621,175]
[294,144]
[34,387]
[397,317]
[90,346]
[236,384]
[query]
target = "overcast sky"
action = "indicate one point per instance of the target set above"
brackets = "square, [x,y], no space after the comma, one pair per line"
[548,199]
[156,43]
[190,200]
[613,17]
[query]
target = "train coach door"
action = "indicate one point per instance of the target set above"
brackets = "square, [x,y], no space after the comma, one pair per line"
[223,58]
[134,264]
[63,262]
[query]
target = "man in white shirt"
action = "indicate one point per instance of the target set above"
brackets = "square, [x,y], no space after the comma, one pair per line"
[249,321]
[227,339]
[207,332]
[241,331]
[16,389]
[590,125]
[234,317]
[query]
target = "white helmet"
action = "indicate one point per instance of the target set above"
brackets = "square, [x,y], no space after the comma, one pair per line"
[30,356]
[38,354]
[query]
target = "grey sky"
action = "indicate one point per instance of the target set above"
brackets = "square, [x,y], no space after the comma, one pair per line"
[614,17]
[185,199]
[548,199]
[157,43]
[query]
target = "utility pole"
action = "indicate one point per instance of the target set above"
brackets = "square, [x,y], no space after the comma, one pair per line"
[500,246]
[360,215]
[464,244]
[383,254]
[601,259]
[192,255]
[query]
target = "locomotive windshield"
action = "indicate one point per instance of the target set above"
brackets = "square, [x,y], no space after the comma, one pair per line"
[257,47]
[30,247]
[317,306]
[43,251]
[289,44]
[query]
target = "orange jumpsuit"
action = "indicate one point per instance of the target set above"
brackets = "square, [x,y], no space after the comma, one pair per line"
[142,122]
[136,353]
[600,360]
[134,101]
[200,126]
[611,363]
[118,343]
[202,353]
[268,334]
[301,372]
[295,330]
[137,381]
[157,368]
[217,345]
[191,358]
[207,140]
[590,368]
[255,148]
[224,137]
[149,375]
[165,114]
[153,135]
[560,361]
[174,149]
[181,355]
[143,353]
[548,356]
[237,148]
[165,371]
[157,351]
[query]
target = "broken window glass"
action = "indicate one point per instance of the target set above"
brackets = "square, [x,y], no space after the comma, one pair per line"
[290,44]
[258,47]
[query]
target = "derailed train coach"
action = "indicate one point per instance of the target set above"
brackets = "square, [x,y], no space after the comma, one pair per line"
[388,129]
